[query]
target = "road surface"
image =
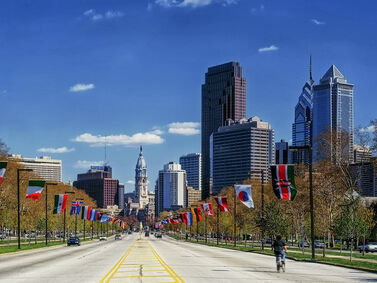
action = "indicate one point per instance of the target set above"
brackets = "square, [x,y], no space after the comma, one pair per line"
[139,259]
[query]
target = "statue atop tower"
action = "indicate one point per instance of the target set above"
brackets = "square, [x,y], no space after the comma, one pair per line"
[141,181]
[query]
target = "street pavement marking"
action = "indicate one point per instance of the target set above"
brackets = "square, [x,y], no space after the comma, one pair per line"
[140,258]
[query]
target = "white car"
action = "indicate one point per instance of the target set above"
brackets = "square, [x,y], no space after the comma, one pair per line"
[102,238]
[369,248]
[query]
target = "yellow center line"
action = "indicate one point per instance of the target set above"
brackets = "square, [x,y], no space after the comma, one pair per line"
[133,259]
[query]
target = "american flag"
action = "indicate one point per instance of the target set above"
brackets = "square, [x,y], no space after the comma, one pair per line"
[76,205]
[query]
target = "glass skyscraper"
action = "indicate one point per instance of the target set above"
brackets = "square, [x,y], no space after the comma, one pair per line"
[302,127]
[223,97]
[333,110]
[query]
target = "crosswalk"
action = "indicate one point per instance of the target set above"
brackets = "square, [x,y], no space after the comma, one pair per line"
[141,263]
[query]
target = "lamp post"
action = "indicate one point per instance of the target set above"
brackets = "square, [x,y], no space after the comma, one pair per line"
[18,204]
[262,203]
[64,218]
[46,219]
[310,157]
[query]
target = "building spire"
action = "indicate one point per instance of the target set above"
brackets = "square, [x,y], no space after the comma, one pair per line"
[311,78]
[141,149]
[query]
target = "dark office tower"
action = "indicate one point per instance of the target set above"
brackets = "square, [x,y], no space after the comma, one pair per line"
[302,127]
[223,97]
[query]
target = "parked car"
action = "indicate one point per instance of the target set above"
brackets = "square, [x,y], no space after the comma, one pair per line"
[3,236]
[146,234]
[103,238]
[305,243]
[118,237]
[369,248]
[158,235]
[318,244]
[268,241]
[129,232]
[73,241]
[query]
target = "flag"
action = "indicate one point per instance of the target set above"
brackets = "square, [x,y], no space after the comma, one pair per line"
[123,225]
[3,166]
[105,218]
[76,205]
[197,214]
[86,212]
[184,218]
[207,208]
[35,189]
[60,203]
[93,214]
[193,214]
[244,194]
[99,215]
[222,203]
[189,218]
[283,181]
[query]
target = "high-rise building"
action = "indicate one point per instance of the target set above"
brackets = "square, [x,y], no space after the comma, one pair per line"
[282,153]
[141,181]
[333,113]
[241,150]
[223,97]
[193,195]
[171,188]
[366,175]
[192,164]
[45,167]
[99,185]
[120,197]
[302,127]
[361,153]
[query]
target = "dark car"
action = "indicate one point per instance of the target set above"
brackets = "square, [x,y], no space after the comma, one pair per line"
[306,244]
[73,241]
[158,235]
[118,237]
[129,232]
[146,234]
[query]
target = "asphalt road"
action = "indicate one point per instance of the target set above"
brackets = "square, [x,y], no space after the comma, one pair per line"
[139,259]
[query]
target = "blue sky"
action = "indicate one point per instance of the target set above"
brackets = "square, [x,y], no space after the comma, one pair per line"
[75,75]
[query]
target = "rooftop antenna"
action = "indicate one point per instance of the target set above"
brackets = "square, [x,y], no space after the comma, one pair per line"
[311,78]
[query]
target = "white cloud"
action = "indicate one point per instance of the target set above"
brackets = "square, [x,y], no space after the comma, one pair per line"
[193,3]
[369,129]
[55,150]
[81,87]
[85,164]
[269,48]
[318,22]
[131,182]
[125,140]
[110,14]
[113,14]
[184,128]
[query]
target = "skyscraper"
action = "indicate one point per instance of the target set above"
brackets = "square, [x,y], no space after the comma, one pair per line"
[282,153]
[171,188]
[223,97]
[241,150]
[141,181]
[192,164]
[302,127]
[99,185]
[333,110]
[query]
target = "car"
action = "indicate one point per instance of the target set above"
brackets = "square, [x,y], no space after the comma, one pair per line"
[369,248]
[318,244]
[118,237]
[146,234]
[129,232]
[73,241]
[158,235]
[103,238]
[305,243]
[268,240]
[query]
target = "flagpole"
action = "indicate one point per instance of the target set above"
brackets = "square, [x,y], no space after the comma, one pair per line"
[18,206]
[262,200]
[205,227]
[197,230]
[218,223]
[92,228]
[84,229]
[64,216]
[46,220]
[234,220]
[190,231]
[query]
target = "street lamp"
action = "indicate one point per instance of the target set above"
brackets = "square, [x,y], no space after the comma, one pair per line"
[64,217]
[262,203]
[46,220]
[18,204]
[310,153]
